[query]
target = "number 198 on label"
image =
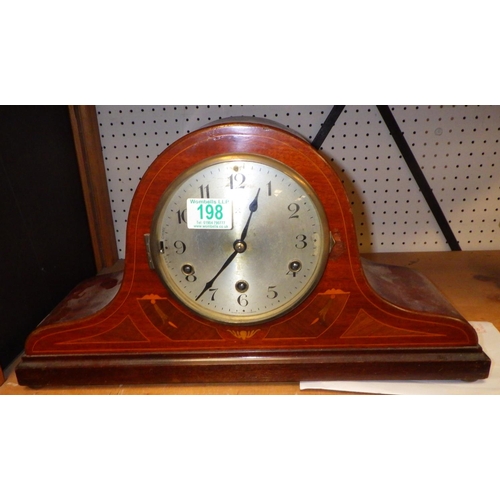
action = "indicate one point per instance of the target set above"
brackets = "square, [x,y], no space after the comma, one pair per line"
[209,213]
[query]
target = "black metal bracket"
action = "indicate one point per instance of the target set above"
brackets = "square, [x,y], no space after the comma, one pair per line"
[409,158]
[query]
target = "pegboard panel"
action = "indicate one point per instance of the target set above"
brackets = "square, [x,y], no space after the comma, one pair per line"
[456,147]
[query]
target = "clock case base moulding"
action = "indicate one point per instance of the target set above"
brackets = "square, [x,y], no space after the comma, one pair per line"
[363,321]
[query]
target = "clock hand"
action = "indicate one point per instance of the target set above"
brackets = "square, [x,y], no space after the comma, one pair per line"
[253,208]
[239,245]
[211,282]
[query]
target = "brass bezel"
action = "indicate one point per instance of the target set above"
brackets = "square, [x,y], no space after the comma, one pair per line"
[161,266]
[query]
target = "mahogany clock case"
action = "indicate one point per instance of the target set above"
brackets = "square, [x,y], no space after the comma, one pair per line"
[361,321]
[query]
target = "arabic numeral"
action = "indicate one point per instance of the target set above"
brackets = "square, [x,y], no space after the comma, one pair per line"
[242,300]
[180,247]
[237,181]
[294,208]
[210,211]
[204,191]
[181,216]
[301,241]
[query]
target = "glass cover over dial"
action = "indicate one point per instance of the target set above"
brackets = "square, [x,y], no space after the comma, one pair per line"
[240,238]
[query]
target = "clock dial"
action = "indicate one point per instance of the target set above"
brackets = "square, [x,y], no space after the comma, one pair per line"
[240,239]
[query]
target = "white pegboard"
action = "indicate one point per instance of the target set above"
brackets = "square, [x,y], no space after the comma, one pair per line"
[456,147]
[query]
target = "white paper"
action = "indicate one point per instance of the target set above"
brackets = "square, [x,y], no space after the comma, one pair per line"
[489,339]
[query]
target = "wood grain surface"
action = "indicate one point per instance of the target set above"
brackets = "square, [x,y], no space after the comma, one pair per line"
[470,281]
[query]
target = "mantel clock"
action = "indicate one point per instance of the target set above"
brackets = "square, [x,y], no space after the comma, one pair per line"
[242,265]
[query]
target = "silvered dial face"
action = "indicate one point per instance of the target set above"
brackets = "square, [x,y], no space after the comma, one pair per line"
[240,239]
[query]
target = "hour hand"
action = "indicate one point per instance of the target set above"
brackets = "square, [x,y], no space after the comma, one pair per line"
[254,205]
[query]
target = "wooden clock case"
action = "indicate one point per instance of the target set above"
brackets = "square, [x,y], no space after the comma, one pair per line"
[362,321]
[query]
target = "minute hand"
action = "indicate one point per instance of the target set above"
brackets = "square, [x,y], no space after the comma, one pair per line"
[238,245]
[211,282]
